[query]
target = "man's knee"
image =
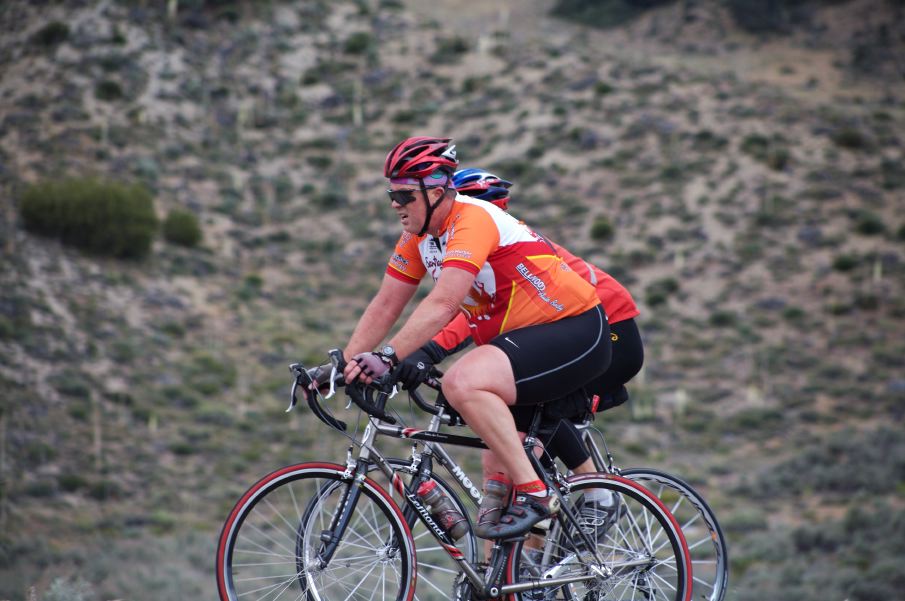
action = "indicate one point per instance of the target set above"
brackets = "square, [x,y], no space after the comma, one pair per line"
[484,369]
[457,387]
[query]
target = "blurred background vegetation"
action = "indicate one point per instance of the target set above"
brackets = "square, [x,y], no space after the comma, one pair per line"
[192,199]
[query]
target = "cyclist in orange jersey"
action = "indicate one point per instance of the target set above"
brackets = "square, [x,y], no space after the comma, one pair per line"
[536,322]
[564,440]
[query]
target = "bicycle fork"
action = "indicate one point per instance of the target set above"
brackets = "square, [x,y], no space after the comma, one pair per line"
[331,537]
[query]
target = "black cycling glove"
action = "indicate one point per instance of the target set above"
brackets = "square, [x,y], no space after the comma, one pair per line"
[414,369]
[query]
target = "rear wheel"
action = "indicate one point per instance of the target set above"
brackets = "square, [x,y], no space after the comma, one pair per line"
[640,546]
[709,553]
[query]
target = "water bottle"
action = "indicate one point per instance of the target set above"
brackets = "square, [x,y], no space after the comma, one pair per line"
[443,511]
[496,496]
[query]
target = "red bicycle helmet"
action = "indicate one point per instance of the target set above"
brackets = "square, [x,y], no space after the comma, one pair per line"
[420,156]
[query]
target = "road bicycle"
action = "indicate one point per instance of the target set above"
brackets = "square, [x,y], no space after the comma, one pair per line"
[328,531]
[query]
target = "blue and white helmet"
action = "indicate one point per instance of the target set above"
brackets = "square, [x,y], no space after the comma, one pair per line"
[482,185]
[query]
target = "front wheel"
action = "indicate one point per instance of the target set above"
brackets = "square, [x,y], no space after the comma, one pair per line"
[273,544]
[638,548]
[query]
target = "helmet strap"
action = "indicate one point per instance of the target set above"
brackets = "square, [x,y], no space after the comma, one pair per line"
[430,207]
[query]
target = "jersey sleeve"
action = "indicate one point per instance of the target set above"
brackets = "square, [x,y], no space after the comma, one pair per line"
[473,237]
[405,264]
[455,335]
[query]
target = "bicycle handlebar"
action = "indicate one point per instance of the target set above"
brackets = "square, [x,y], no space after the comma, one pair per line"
[371,398]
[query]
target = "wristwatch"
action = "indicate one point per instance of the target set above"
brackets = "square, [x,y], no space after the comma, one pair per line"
[390,353]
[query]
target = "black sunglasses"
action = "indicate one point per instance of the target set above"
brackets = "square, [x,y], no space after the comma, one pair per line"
[404,197]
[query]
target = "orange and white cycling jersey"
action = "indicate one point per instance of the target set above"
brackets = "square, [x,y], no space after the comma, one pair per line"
[616,300]
[519,278]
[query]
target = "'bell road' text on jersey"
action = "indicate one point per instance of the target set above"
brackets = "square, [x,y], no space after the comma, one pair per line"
[520,280]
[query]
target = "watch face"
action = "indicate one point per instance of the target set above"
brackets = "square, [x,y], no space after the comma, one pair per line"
[388,351]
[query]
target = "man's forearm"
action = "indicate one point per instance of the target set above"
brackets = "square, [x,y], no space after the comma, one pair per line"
[374,324]
[428,318]
[382,312]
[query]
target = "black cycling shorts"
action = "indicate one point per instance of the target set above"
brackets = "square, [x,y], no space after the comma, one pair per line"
[626,360]
[550,360]
[628,356]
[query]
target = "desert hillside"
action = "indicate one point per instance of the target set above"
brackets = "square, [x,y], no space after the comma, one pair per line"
[743,176]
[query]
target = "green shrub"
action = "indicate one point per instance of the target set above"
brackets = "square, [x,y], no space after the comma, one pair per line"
[794,315]
[71,482]
[319,161]
[359,43]
[723,319]
[868,223]
[767,16]
[329,199]
[209,375]
[103,490]
[602,88]
[893,174]
[51,34]
[846,262]
[183,448]
[181,227]
[451,49]
[850,138]
[473,84]
[659,291]
[603,13]
[602,229]
[15,318]
[41,489]
[105,218]
[71,383]
[108,90]
[777,158]
[118,37]
[772,152]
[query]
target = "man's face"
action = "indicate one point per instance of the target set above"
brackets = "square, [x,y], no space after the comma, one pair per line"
[413,214]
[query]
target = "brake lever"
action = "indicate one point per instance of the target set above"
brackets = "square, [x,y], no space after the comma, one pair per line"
[336,360]
[297,369]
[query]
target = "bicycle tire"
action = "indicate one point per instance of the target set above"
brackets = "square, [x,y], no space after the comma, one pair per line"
[643,548]
[709,551]
[267,546]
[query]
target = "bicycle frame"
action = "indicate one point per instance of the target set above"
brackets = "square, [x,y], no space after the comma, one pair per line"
[379,422]
[357,467]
